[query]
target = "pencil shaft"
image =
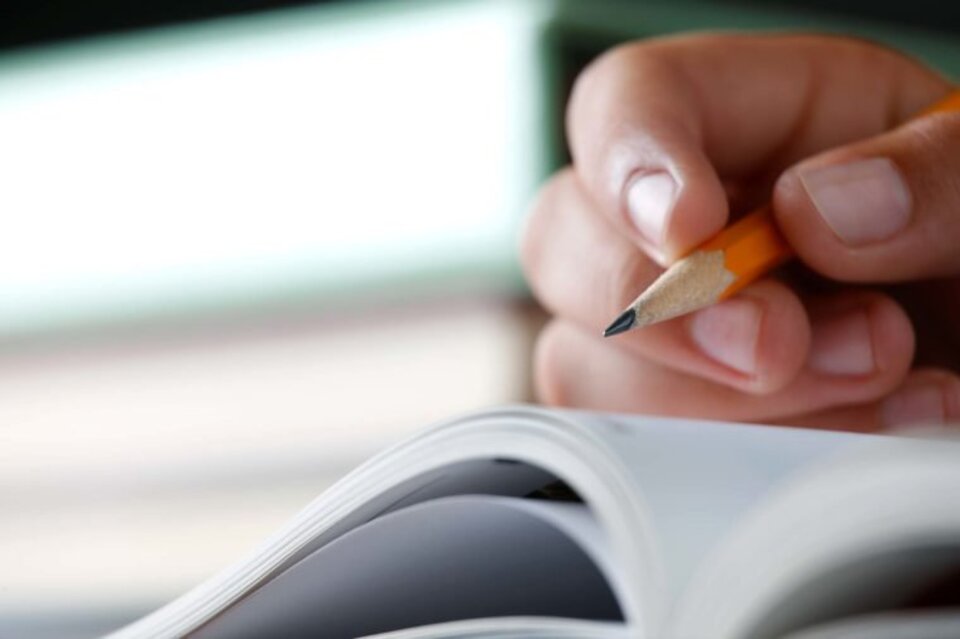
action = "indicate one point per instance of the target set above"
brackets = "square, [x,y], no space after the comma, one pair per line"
[751,247]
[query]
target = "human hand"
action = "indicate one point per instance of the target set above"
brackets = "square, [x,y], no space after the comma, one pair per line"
[670,138]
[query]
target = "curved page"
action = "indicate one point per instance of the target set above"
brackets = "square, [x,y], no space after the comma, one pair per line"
[515,628]
[444,560]
[918,624]
[874,529]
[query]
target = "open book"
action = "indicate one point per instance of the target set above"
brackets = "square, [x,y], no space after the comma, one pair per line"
[523,522]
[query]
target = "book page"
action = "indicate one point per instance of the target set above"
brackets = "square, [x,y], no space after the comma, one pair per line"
[514,628]
[444,560]
[697,479]
[916,624]
[873,529]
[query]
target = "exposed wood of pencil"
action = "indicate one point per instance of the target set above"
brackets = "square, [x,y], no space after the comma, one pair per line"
[717,269]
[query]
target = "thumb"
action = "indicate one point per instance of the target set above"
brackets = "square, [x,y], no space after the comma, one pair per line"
[882,210]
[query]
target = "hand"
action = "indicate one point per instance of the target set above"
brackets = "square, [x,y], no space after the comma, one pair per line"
[670,138]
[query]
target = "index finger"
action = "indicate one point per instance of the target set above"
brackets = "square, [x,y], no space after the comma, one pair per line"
[656,128]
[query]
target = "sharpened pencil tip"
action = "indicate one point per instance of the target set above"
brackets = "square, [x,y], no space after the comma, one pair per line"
[623,323]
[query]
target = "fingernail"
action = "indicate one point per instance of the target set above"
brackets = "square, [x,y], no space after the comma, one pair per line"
[862,202]
[842,345]
[727,332]
[650,199]
[915,406]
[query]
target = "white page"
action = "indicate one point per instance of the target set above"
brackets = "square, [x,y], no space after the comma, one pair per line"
[698,478]
[870,529]
[443,560]
[917,624]
[514,628]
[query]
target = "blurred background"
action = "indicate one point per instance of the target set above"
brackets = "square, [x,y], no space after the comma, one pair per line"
[246,244]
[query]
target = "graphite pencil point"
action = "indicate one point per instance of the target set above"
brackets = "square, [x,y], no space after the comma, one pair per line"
[622,324]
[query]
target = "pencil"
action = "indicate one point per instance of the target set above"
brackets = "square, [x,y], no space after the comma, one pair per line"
[721,266]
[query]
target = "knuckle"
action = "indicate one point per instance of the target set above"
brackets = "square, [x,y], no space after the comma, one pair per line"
[607,74]
[607,65]
[937,135]
[932,158]
[927,152]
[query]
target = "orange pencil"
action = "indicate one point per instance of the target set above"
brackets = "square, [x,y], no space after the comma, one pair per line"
[722,265]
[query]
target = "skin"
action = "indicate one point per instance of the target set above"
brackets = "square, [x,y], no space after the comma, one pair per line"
[735,120]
